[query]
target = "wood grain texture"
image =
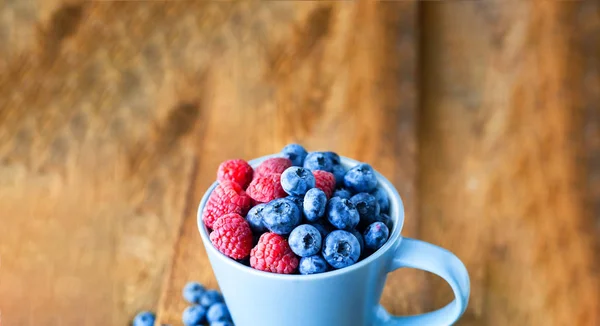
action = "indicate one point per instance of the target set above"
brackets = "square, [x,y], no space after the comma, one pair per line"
[588,42]
[502,183]
[96,109]
[115,116]
[331,70]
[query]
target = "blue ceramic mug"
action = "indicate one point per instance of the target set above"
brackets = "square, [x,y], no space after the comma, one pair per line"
[345,297]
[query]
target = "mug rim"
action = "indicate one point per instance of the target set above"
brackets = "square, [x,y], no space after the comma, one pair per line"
[391,244]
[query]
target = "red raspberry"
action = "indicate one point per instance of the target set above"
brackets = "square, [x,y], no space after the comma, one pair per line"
[232,236]
[228,197]
[263,189]
[325,181]
[273,254]
[238,171]
[272,165]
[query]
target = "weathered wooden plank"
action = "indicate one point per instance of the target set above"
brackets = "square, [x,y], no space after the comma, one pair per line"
[501,182]
[588,42]
[335,75]
[96,108]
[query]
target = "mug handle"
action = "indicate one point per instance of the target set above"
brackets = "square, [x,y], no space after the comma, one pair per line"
[425,256]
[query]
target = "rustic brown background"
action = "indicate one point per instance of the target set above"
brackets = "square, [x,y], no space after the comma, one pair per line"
[115,115]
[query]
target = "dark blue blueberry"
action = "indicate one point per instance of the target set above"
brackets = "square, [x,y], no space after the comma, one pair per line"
[342,193]
[367,207]
[296,153]
[315,202]
[341,249]
[299,201]
[382,199]
[339,171]
[337,168]
[305,240]
[144,318]
[194,315]
[360,178]
[255,218]
[324,228]
[312,265]
[246,261]
[210,297]
[334,157]
[222,323]
[376,235]
[318,161]
[281,216]
[218,312]
[192,292]
[360,239]
[385,219]
[342,214]
[296,180]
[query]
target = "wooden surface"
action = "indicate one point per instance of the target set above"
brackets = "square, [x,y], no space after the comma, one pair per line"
[115,115]
[501,139]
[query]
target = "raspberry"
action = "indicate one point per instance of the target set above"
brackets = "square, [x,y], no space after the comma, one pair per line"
[238,171]
[232,236]
[228,197]
[273,254]
[263,189]
[274,165]
[325,181]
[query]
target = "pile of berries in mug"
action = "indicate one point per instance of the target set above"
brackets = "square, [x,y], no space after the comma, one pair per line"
[298,212]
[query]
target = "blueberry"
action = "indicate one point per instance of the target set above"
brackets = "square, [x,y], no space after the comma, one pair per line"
[360,239]
[337,168]
[376,235]
[342,214]
[296,180]
[318,161]
[360,178]
[341,249]
[192,292]
[339,171]
[305,240]
[281,216]
[367,207]
[296,153]
[222,323]
[255,218]
[312,265]
[315,202]
[210,297]
[385,219]
[218,312]
[144,318]
[246,261]
[382,199]
[299,201]
[193,315]
[334,157]
[323,227]
[342,193]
